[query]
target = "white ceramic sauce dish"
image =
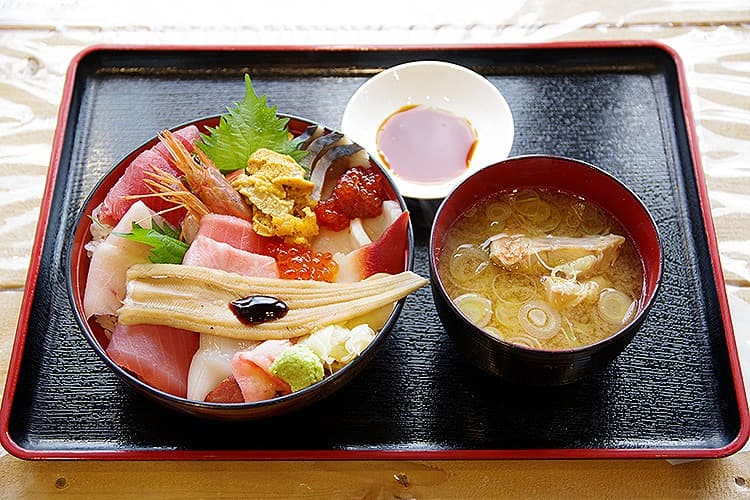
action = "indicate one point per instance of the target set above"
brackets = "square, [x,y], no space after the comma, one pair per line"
[441,86]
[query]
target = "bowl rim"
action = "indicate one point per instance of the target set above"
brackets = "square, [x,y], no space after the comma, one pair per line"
[433,190]
[437,282]
[212,409]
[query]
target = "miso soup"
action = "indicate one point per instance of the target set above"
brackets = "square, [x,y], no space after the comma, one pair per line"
[543,269]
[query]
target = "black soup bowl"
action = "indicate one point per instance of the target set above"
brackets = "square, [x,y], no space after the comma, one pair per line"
[77,272]
[529,365]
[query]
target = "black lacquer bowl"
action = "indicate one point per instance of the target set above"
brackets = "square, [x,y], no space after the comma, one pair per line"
[520,364]
[77,271]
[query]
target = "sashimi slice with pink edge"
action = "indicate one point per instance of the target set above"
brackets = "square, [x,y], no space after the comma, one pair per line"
[206,252]
[236,232]
[132,183]
[158,355]
[251,371]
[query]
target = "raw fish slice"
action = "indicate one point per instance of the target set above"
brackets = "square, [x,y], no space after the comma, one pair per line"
[105,283]
[385,255]
[186,135]
[157,355]
[212,363]
[344,241]
[228,391]
[250,369]
[376,226]
[236,232]
[119,198]
[206,252]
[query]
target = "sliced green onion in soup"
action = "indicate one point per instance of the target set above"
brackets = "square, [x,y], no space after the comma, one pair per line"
[476,308]
[539,319]
[498,210]
[615,307]
[467,262]
[526,202]
[525,341]
[494,331]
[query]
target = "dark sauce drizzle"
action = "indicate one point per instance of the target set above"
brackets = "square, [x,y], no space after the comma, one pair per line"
[257,309]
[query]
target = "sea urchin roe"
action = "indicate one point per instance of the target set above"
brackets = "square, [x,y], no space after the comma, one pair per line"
[424,144]
[302,263]
[257,309]
[359,192]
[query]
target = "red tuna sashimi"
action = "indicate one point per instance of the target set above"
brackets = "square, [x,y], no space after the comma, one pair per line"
[250,370]
[158,355]
[228,391]
[217,255]
[117,201]
[237,233]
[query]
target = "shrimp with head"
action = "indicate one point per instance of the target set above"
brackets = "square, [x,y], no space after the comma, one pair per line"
[204,180]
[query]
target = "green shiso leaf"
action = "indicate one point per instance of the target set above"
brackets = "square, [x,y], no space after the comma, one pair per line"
[248,126]
[166,247]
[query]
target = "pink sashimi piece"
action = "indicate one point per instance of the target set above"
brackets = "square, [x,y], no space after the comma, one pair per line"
[186,135]
[107,276]
[158,355]
[206,252]
[235,232]
[119,198]
[250,370]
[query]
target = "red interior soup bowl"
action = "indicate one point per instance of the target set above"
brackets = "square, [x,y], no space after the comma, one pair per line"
[219,406]
[543,268]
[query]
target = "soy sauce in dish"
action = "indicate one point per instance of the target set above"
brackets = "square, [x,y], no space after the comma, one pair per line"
[425,144]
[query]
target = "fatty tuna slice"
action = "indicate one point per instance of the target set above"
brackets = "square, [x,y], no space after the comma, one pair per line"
[158,355]
[236,232]
[206,252]
[117,201]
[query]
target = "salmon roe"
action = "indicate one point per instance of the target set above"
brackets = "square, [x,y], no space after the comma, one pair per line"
[302,263]
[359,192]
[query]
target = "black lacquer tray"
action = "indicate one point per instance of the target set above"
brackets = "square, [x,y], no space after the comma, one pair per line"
[676,391]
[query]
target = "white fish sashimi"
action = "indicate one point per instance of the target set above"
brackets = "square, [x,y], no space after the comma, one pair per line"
[212,363]
[344,241]
[105,283]
[376,226]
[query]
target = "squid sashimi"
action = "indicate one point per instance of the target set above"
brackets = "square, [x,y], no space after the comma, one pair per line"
[158,355]
[251,371]
[132,183]
[344,241]
[217,255]
[211,364]
[236,232]
[105,285]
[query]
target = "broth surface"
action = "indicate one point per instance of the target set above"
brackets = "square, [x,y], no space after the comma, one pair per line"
[515,302]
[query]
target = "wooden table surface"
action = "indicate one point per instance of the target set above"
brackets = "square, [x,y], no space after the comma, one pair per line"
[37,41]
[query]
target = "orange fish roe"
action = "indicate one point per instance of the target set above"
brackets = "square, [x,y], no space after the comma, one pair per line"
[301,263]
[358,192]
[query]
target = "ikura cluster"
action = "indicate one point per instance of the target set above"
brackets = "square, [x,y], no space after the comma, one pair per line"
[302,263]
[359,192]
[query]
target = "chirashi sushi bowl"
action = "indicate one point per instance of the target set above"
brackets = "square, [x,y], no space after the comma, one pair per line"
[241,266]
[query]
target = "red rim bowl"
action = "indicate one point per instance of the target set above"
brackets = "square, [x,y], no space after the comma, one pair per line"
[519,364]
[77,271]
